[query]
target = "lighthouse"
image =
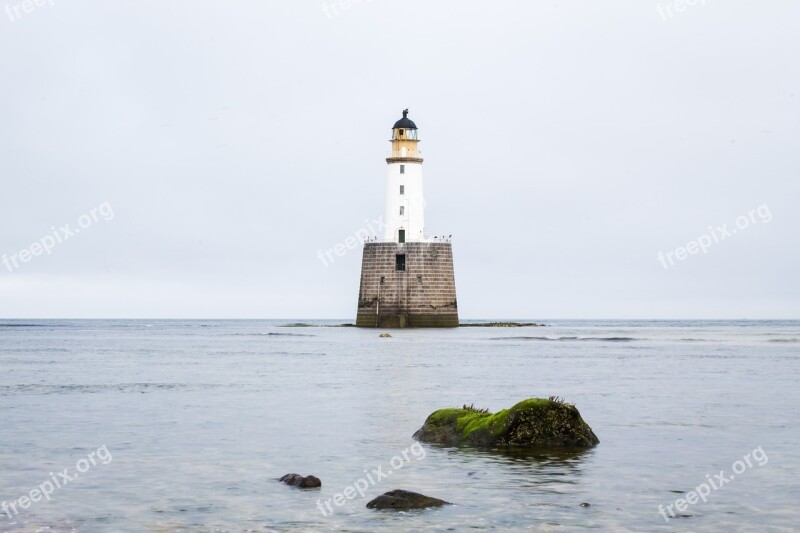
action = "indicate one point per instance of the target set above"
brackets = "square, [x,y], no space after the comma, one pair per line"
[405,204]
[407,277]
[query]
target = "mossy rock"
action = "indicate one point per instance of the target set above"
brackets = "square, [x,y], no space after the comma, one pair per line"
[533,423]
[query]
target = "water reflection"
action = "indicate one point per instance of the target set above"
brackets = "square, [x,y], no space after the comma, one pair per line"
[537,471]
[567,457]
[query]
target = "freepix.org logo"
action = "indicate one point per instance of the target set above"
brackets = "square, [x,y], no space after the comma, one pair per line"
[713,482]
[57,235]
[56,480]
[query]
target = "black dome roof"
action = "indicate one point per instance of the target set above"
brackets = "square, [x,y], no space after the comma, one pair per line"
[405,122]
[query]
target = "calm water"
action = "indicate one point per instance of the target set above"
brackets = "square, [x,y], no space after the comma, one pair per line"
[200,417]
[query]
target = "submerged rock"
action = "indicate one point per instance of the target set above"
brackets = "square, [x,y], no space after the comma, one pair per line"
[403,500]
[502,325]
[304,482]
[534,423]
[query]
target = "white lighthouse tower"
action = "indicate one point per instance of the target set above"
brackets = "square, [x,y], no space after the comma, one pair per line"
[406,279]
[405,203]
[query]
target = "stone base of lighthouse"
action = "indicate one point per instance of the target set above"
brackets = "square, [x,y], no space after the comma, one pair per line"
[407,285]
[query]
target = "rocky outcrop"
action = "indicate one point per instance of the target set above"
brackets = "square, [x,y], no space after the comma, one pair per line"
[303,482]
[533,423]
[501,325]
[403,500]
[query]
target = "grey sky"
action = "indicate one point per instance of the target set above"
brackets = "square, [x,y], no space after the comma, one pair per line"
[566,144]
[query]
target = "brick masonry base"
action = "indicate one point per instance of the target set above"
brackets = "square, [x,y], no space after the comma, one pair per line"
[422,295]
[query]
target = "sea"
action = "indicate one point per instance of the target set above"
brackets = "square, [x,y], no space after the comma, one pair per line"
[186,425]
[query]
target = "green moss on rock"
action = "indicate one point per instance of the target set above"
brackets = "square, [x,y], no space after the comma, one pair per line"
[534,422]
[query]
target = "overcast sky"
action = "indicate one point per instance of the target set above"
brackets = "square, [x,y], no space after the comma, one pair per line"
[566,144]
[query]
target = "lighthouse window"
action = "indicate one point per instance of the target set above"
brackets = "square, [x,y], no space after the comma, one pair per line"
[400,262]
[402,210]
[402,169]
[402,189]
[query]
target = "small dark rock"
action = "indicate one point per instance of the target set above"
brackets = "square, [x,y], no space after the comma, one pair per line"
[403,500]
[296,480]
[584,504]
